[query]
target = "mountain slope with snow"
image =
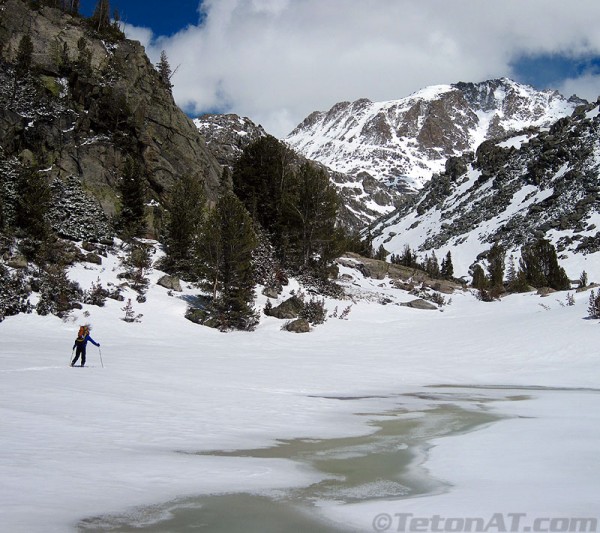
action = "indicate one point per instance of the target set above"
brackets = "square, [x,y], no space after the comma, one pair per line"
[403,142]
[513,191]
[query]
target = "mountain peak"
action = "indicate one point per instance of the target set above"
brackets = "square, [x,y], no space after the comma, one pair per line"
[406,141]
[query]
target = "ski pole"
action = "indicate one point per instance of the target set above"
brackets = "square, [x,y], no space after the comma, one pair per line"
[100,351]
[72,354]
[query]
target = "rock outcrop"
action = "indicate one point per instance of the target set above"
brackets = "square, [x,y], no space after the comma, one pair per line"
[88,104]
[530,185]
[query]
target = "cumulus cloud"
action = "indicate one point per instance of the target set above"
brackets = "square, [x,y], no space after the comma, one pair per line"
[276,61]
[586,86]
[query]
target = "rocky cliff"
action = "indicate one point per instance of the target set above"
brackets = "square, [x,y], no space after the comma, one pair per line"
[227,135]
[89,103]
[404,142]
[511,191]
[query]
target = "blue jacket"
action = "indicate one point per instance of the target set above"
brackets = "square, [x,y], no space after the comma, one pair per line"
[83,342]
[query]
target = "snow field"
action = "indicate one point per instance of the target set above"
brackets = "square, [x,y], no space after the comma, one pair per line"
[82,442]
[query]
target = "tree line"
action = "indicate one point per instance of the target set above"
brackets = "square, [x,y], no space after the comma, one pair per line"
[537,267]
[272,209]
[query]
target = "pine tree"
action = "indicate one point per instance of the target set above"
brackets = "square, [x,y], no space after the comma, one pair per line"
[408,258]
[57,292]
[479,278]
[186,213]
[432,267]
[297,206]
[381,253]
[101,17]
[309,216]
[496,257]
[225,251]
[14,293]
[594,305]
[133,192]
[33,202]
[540,265]
[24,56]
[164,70]
[262,180]
[511,273]
[130,315]
[447,270]
[137,263]
[367,249]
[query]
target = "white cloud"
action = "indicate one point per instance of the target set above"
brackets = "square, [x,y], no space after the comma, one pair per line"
[586,86]
[136,33]
[276,61]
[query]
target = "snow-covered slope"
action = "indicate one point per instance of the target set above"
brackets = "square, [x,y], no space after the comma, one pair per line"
[133,433]
[227,135]
[403,142]
[526,186]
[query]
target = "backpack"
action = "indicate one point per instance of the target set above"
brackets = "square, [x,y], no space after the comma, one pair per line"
[82,334]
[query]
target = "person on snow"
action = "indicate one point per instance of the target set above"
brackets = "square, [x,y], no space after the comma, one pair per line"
[80,343]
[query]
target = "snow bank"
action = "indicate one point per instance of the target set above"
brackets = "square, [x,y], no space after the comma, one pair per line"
[81,442]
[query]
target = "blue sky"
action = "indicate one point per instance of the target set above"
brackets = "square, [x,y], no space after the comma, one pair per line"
[164,17]
[545,71]
[276,61]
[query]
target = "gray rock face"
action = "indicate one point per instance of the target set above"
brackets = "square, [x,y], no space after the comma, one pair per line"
[522,187]
[170,282]
[420,304]
[227,135]
[288,310]
[89,120]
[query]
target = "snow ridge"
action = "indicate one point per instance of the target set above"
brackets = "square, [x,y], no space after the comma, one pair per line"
[403,142]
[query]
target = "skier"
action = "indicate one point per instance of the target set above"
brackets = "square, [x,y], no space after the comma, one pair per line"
[80,343]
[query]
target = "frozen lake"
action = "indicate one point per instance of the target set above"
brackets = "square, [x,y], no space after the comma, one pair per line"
[389,464]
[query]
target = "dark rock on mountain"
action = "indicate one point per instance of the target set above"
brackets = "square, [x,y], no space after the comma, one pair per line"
[513,190]
[88,104]
[227,135]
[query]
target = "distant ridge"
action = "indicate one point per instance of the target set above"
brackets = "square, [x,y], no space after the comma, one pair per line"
[403,142]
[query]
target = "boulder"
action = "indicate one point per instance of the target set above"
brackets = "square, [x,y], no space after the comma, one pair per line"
[299,325]
[271,292]
[18,261]
[443,286]
[419,303]
[170,282]
[287,310]
[545,291]
[93,258]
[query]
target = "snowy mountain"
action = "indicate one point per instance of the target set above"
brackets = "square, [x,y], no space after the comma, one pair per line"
[403,142]
[364,198]
[525,186]
[227,135]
